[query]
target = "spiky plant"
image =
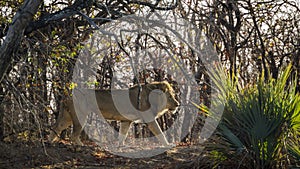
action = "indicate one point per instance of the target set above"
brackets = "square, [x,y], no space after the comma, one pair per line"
[260,123]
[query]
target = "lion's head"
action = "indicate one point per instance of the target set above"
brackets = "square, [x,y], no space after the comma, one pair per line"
[171,102]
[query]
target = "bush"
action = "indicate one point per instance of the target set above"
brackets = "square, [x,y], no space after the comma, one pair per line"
[260,127]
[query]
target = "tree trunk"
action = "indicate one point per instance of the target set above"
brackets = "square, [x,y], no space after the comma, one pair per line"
[1,115]
[15,33]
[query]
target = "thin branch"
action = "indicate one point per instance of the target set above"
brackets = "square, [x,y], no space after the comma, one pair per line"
[154,6]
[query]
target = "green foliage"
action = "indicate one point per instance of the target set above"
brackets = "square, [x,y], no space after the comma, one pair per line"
[259,121]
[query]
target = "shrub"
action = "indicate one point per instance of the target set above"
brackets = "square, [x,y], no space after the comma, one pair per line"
[260,127]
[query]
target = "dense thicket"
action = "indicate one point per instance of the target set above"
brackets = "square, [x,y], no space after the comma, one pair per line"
[40,42]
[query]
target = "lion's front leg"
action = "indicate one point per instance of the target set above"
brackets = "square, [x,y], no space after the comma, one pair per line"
[156,130]
[124,127]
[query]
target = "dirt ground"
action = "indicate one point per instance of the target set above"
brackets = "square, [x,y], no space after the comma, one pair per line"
[64,155]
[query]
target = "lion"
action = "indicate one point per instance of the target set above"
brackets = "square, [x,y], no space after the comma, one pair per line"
[141,104]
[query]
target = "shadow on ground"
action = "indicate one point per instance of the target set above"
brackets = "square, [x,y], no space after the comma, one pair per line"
[64,155]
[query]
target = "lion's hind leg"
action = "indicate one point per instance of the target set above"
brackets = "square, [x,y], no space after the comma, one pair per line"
[75,138]
[78,124]
[64,120]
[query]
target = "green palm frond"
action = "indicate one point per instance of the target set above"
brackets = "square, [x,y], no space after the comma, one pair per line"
[232,139]
[294,150]
[259,119]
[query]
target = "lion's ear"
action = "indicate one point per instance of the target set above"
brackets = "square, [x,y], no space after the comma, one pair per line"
[166,85]
[163,86]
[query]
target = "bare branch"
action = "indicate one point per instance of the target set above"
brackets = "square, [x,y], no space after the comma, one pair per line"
[154,6]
